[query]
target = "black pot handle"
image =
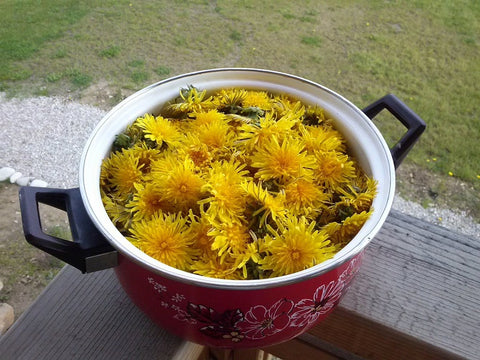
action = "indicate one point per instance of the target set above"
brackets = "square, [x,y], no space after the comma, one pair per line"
[89,251]
[407,117]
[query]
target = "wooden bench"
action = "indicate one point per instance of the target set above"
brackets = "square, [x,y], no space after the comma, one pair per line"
[416,297]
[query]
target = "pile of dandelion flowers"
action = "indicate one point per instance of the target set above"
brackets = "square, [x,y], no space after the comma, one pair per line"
[238,184]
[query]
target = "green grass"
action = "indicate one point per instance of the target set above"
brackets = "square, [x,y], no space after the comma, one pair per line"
[425,52]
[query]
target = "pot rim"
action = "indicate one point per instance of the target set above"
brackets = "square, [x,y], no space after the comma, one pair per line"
[356,245]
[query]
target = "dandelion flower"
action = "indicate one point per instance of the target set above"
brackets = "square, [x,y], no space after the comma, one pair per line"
[200,226]
[117,212]
[359,199]
[317,138]
[122,171]
[227,197]
[294,247]
[333,168]
[282,161]
[264,202]
[166,238]
[207,118]
[159,129]
[146,201]
[216,134]
[342,233]
[230,97]
[145,156]
[283,105]
[229,237]
[233,241]
[191,100]
[304,197]
[258,99]
[252,135]
[214,268]
[180,183]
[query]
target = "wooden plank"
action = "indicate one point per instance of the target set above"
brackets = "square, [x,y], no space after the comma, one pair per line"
[422,280]
[86,317]
[346,335]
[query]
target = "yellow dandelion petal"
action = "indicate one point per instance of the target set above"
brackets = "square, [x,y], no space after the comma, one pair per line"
[265,203]
[117,212]
[256,134]
[214,268]
[318,138]
[284,105]
[191,100]
[227,197]
[229,97]
[230,237]
[333,168]
[200,226]
[305,198]
[342,233]
[159,129]
[282,161]
[359,199]
[216,135]
[166,238]
[294,247]
[179,181]
[259,99]
[122,170]
[147,201]
[207,118]
[145,157]
[196,150]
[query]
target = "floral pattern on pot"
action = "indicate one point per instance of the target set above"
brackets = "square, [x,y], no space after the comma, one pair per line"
[259,321]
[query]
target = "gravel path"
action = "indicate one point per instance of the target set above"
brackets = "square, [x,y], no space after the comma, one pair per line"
[43,138]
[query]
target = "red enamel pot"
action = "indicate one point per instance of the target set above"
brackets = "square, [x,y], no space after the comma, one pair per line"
[216,312]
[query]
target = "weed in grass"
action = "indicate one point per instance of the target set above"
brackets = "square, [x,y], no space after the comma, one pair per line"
[180,41]
[162,70]
[235,35]
[110,52]
[288,15]
[60,54]
[79,79]
[311,40]
[136,63]
[139,76]
[54,77]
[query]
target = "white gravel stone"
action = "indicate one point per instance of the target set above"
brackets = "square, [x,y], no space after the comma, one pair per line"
[7,316]
[6,172]
[15,176]
[39,183]
[24,180]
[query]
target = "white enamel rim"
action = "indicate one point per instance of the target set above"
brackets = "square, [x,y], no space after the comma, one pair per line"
[363,138]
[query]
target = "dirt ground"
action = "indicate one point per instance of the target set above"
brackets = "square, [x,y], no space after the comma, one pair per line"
[24,270]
